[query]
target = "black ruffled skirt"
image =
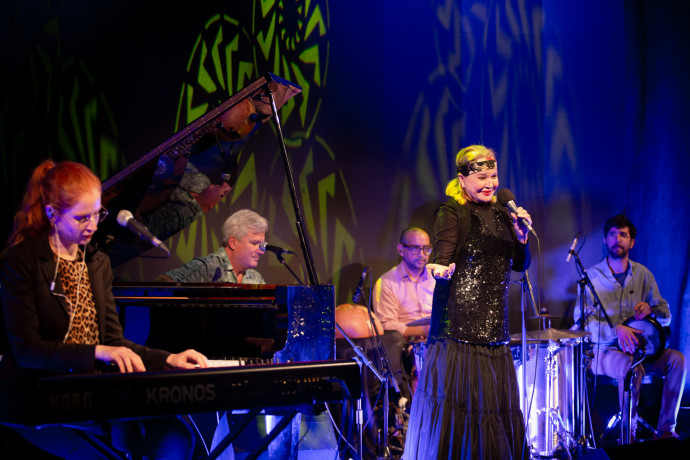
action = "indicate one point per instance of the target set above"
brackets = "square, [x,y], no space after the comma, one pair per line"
[467,405]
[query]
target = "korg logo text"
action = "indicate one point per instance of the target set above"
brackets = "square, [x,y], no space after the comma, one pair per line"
[71,401]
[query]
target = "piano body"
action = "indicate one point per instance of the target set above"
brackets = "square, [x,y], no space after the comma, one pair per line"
[239,322]
[260,323]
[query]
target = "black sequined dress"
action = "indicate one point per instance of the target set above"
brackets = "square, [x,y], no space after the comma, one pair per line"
[467,403]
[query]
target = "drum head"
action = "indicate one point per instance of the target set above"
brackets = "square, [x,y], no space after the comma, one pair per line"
[355,321]
[653,333]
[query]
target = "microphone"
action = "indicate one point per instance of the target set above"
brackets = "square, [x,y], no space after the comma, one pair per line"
[572,249]
[126,219]
[507,199]
[277,250]
[357,296]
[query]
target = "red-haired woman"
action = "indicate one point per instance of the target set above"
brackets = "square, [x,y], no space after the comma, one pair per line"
[59,310]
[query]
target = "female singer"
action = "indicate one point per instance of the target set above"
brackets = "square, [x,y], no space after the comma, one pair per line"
[467,401]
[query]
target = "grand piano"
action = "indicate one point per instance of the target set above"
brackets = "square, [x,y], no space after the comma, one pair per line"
[278,339]
[258,323]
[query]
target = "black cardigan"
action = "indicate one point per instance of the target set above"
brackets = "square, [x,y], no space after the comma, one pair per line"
[36,320]
[451,224]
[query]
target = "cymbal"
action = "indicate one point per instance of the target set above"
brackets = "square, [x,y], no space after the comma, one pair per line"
[420,322]
[545,315]
[550,334]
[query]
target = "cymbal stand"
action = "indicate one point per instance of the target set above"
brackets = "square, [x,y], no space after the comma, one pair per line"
[361,359]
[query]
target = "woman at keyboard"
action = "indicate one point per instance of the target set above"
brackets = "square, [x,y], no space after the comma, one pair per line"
[60,315]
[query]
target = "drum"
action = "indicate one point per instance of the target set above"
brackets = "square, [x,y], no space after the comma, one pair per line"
[355,322]
[653,334]
[552,378]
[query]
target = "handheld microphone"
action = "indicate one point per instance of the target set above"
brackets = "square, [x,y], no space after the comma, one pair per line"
[507,199]
[572,249]
[277,250]
[127,220]
[357,296]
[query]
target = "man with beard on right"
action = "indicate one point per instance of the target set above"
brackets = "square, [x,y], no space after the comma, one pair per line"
[628,290]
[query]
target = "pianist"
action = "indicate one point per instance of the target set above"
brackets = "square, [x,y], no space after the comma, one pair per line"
[60,316]
[235,262]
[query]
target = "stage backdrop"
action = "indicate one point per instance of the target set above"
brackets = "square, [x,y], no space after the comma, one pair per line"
[586,104]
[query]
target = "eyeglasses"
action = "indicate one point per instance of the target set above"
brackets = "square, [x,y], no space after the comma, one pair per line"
[95,217]
[414,250]
[615,235]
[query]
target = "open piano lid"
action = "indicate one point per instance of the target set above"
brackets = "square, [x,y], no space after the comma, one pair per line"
[151,186]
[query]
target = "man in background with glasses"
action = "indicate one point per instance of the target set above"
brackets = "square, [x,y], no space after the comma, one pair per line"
[403,294]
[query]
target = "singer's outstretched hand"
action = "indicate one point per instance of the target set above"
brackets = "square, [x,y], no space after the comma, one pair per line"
[521,230]
[441,272]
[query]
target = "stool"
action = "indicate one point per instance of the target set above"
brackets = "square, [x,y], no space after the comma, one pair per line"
[613,422]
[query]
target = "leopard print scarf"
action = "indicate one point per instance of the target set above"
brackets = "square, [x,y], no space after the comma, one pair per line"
[72,274]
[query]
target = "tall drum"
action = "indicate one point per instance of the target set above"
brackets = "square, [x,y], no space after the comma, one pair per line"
[552,380]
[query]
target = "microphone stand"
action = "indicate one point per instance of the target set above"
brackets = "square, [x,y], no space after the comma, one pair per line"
[282,261]
[585,282]
[531,293]
[361,359]
[524,287]
[387,374]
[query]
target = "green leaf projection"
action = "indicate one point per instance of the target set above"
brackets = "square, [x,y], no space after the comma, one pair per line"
[56,109]
[289,39]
